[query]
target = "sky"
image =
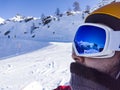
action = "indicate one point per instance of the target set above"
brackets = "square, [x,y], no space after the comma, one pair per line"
[10,8]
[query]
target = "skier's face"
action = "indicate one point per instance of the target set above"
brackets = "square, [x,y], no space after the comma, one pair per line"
[107,65]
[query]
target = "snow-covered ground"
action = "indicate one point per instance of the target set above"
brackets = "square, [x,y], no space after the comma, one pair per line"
[44,59]
[47,64]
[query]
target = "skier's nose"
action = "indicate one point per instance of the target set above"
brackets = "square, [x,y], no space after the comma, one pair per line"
[78,58]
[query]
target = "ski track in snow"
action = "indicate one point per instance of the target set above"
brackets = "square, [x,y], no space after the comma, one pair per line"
[49,66]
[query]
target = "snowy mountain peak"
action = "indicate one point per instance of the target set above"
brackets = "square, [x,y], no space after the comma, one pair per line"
[18,17]
[2,20]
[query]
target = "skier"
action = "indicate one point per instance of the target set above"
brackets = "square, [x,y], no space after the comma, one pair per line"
[97,68]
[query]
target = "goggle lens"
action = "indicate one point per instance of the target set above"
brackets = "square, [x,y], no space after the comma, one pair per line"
[90,39]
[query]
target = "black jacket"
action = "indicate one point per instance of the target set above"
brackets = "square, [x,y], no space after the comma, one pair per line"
[84,78]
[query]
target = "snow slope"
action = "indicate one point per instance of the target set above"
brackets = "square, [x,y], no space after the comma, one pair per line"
[36,54]
[44,59]
[48,65]
[30,28]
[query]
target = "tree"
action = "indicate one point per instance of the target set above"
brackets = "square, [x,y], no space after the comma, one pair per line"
[76,6]
[32,28]
[42,18]
[58,14]
[87,9]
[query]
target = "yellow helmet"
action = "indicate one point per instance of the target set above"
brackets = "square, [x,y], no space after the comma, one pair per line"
[108,15]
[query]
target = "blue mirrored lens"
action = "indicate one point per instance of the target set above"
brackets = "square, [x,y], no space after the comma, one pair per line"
[90,39]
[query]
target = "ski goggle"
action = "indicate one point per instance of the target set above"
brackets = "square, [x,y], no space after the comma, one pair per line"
[96,41]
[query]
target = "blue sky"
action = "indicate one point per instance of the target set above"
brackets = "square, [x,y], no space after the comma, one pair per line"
[10,8]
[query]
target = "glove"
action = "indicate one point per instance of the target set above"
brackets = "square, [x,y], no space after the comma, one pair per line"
[63,88]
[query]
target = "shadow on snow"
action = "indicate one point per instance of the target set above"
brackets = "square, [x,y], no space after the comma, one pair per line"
[14,47]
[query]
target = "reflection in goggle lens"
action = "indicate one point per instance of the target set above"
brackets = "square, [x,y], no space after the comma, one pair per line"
[90,39]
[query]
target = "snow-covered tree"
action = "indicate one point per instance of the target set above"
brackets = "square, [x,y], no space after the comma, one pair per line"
[42,18]
[58,14]
[87,9]
[76,6]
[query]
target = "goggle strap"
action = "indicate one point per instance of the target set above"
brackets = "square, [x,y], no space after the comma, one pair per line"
[114,41]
